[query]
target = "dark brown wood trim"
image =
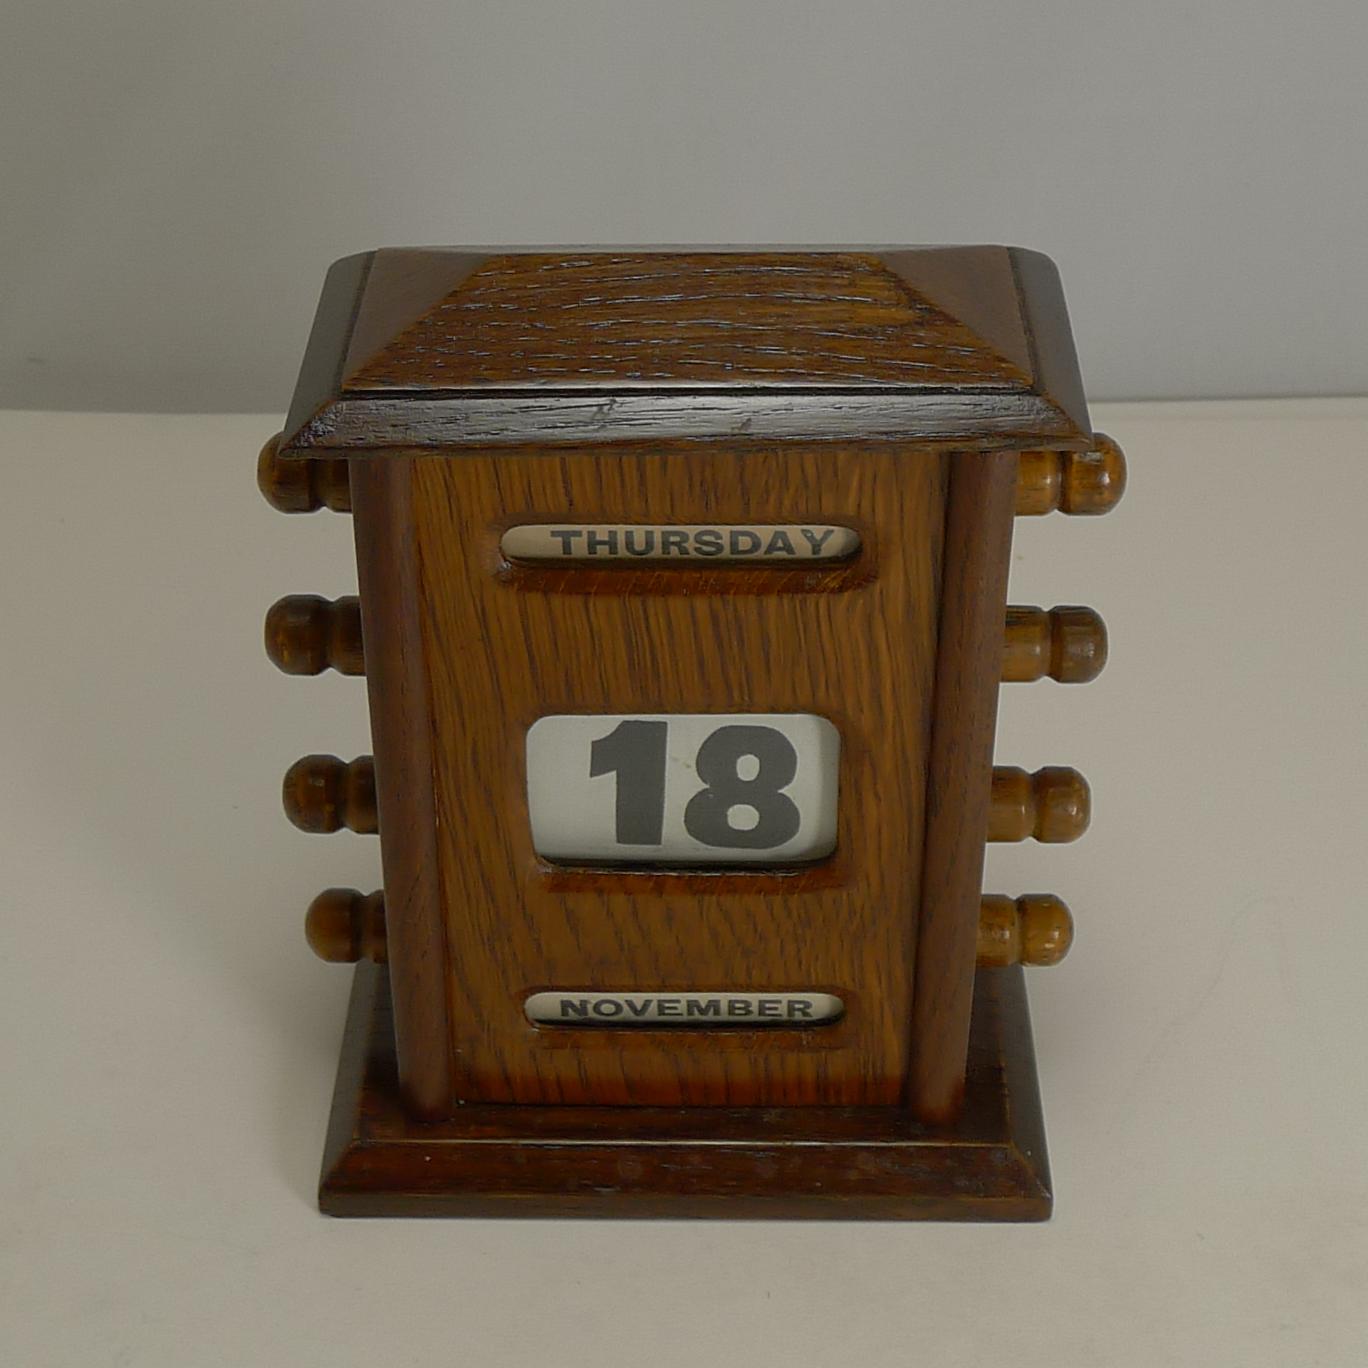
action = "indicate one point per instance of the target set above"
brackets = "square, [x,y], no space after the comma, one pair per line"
[451,347]
[981,418]
[837,1163]
[978,537]
[1054,357]
[320,372]
[401,726]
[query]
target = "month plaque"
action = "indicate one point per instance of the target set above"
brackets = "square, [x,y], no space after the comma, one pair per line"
[682,614]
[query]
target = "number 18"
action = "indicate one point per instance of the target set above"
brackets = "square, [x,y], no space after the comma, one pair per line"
[712,789]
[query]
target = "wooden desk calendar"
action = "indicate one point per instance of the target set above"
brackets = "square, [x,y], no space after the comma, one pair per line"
[682,610]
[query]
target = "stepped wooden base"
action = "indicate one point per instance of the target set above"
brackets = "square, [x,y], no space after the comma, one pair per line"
[819,1162]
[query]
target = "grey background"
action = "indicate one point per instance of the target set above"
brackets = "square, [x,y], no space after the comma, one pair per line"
[174,179]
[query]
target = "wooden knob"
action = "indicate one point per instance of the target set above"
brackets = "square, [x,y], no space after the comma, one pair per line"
[304,484]
[344,925]
[306,635]
[1075,482]
[1033,929]
[322,793]
[1067,644]
[1053,804]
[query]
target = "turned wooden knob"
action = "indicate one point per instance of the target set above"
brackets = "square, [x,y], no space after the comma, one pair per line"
[322,793]
[306,635]
[304,484]
[1033,929]
[1053,804]
[344,925]
[1075,482]
[1067,644]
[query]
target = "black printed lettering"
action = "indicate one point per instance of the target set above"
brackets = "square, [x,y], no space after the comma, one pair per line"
[816,542]
[706,1007]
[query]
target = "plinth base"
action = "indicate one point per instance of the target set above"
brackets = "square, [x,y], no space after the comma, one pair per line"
[841,1163]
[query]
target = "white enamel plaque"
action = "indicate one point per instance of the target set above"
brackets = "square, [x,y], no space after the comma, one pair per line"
[683,788]
[681,543]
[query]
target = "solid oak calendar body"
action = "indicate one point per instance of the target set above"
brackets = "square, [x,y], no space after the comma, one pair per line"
[682,614]
[850,641]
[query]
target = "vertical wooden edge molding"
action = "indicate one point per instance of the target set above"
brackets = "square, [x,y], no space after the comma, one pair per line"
[401,726]
[978,536]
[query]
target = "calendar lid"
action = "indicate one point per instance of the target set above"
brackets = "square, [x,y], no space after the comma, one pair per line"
[435,348]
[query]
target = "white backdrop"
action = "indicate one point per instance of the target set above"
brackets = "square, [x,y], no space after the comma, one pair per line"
[175,178]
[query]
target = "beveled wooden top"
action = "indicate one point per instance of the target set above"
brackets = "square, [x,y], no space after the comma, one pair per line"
[422,348]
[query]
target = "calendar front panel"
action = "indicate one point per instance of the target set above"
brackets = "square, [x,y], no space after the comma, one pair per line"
[724,700]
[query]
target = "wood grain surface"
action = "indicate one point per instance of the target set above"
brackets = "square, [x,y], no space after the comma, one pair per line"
[1078,483]
[451,420]
[833,1163]
[500,646]
[978,537]
[1067,643]
[397,683]
[1053,805]
[305,635]
[424,348]
[887,390]
[322,794]
[812,319]
[1035,928]
[344,925]
[295,486]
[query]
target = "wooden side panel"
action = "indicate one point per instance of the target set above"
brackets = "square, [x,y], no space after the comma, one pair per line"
[978,536]
[505,646]
[401,728]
